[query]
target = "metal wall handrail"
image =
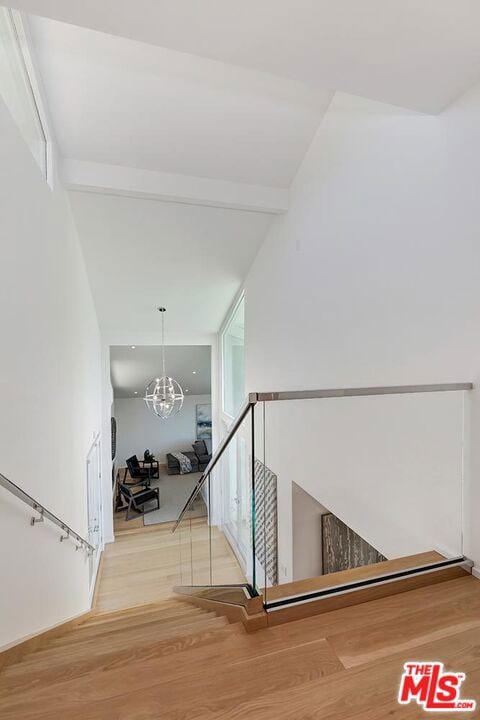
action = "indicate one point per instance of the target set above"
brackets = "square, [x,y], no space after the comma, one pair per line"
[43,512]
[255,397]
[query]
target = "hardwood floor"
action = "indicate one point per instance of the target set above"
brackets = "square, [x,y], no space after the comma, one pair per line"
[145,563]
[170,660]
[145,654]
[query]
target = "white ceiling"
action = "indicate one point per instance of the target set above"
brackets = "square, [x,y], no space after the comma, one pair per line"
[127,103]
[227,92]
[132,370]
[417,53]
[144,253]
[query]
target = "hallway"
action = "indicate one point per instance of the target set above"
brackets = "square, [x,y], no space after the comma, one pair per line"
[143,564]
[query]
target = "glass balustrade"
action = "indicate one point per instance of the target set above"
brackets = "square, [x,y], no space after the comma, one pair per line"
[309,493]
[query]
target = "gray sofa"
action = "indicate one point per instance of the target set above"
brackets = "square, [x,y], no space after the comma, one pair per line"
[200,448]
[173,466]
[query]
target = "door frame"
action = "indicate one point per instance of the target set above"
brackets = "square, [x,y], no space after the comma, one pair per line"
[94,507]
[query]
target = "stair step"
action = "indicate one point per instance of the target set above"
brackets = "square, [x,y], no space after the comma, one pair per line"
[208,669]
[228,649]
[141,674]
[20,677]
[91,647]
[172,695]
[125,624]
[101,616]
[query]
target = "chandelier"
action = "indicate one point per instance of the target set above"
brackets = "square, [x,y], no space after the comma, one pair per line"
[163,395]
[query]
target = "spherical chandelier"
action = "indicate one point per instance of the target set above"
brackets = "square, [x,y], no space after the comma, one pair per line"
[163,395]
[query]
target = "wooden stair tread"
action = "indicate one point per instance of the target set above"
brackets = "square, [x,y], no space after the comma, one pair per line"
[175,695]
[99,616]
[20,676]
[91,646]
[119,624]
[322,582]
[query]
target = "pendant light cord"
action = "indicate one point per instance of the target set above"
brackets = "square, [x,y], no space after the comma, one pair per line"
[163,343]
[163,311]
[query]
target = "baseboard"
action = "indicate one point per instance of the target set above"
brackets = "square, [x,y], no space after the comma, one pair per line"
[476,572]
[12,652]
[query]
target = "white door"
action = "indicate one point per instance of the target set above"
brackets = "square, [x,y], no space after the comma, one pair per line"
[94,500]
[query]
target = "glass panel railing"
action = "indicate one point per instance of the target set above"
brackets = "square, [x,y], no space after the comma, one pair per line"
[234,522]
[361,481]
[194,542]
[217,528]
[312,490]
[262,509]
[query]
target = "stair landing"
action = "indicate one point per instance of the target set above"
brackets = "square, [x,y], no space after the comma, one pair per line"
[346,577]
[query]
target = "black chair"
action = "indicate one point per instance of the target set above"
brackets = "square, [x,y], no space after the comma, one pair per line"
[136,500]
[201,451]
[139,475]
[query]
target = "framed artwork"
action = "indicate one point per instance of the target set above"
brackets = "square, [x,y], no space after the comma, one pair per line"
[266,541]
[343,549]
[204,422]
[113,426]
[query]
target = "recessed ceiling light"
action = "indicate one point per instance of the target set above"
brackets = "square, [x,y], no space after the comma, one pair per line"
[133,347]
[186,389]
[136,392]
[194,372]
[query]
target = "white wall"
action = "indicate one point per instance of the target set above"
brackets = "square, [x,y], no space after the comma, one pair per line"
[306,535]
[49,390]
[372,278]
[138,428]
[390,467]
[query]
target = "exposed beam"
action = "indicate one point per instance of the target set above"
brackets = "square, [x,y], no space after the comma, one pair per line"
[170,187]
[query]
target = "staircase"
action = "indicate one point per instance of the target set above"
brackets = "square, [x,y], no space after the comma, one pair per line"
[171,660]
[106,654]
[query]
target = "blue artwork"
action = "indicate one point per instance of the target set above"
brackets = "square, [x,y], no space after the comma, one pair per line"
[204,422]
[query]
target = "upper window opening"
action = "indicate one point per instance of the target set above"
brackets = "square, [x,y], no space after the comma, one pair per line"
[233,356]
[17,86]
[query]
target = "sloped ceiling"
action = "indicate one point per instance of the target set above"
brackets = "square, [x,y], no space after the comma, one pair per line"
[420,55]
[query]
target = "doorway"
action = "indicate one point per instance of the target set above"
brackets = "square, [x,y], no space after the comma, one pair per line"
[94,507]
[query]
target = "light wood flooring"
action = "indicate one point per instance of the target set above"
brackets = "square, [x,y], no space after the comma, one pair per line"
[176,662]
[145,654]
[145,563]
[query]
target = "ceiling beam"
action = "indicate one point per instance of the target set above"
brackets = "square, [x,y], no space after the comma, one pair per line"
[170,187]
